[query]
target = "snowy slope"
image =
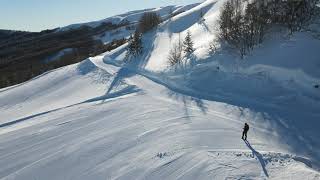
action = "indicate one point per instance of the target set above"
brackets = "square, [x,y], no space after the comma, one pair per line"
[105,119]
[132,16]
[129,126]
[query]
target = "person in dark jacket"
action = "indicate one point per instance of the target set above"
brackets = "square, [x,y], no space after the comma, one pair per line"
[245,131]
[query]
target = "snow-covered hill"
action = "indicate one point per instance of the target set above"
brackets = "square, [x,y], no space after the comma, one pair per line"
[129,21]
[133,16]
[107,119]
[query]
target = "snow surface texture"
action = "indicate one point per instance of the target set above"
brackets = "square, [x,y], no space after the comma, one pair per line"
[104,119]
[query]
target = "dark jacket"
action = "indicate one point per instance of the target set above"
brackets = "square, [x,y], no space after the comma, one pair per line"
[246,127]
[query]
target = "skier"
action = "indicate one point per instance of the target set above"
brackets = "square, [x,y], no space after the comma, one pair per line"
[245,131]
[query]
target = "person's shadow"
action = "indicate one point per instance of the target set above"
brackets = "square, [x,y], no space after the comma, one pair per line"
[259,156]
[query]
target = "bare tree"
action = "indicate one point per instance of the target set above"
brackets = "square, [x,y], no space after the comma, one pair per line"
[212,47]
[244,29]
[175,55]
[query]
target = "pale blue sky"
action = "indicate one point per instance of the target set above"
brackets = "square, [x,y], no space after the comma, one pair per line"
[37,15]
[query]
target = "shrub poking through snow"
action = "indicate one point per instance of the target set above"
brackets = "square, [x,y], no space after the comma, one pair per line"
[212,47]
[175,54]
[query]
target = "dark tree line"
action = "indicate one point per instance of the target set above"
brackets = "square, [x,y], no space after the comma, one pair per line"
[22,53]
[23,56]
[243,29]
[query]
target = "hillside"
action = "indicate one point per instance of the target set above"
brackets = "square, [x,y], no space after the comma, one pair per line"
[24,55]
[109,118]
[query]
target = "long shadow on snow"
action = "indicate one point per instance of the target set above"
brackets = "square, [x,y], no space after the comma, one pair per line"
[259,156]
[188,100]
[290,125]
[137,65]
[290,134]
[128,70]
[128,90]
[287,123]
[132,69]
[118,80]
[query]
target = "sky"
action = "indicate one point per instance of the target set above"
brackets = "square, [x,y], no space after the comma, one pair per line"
[37,15]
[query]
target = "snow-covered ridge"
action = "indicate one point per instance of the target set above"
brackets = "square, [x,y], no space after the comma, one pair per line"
[132,16]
